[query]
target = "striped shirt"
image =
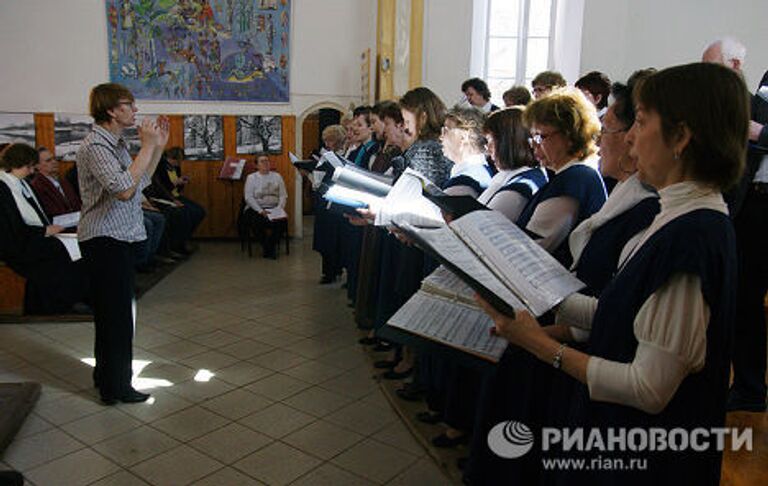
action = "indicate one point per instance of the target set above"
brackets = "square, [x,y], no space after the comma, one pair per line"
[102,171]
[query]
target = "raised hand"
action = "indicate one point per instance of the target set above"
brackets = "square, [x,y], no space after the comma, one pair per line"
[149,133]
[164,125]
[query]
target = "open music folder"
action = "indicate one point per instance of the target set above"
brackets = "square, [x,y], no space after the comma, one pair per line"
[494,258]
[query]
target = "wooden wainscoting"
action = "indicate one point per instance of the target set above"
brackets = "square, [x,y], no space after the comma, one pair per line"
[221,199]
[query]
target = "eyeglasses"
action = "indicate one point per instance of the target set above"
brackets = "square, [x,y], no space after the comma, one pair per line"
[603,131]
[539,138]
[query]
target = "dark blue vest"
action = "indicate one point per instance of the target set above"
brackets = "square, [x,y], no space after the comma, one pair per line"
[580,182]
[700,243]
[599,259]
[526,183]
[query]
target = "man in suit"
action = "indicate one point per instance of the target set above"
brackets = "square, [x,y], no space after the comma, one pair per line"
[56,195]
[748,205]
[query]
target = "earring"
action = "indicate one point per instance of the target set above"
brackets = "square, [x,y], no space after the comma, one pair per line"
[676,155]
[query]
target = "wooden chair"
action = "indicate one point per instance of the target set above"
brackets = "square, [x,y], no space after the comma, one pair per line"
[12,288]
[245,233]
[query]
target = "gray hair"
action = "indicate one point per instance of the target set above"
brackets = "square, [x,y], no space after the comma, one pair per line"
[731,49]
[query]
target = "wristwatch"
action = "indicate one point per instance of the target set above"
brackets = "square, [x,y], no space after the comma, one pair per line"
[557,362]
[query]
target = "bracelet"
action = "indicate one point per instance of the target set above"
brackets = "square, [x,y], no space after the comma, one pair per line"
[557,362]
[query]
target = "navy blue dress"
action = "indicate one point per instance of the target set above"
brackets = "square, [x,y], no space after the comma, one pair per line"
[579,182]
[700,243]
[531,391]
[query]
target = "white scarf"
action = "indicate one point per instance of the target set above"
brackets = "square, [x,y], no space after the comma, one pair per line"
[20,191]
[677,200]
[625,196]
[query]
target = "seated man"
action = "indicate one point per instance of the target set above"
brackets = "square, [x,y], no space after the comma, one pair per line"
[56,195]
[265,198]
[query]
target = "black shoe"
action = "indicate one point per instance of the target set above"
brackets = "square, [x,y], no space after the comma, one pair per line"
[368,341]
[444,442]
[737,402]
[428,417]
[132,396]
[410,393]
[326,279]
[385,364]
[397,375]
[383,347]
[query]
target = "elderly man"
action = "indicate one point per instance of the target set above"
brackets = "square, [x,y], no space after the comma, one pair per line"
[57,196]
[748,204]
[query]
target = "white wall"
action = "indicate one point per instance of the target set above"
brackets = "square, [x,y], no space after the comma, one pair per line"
[52,52]
[447,45]
[621,36]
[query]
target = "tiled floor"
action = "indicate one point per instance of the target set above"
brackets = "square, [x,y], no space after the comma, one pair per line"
[289,396]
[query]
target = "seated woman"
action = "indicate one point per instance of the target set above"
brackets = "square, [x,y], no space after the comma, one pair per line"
[464,144]
[518,178]
[185,215]
[27,243]
[265,196]
[564,126]
[660,332]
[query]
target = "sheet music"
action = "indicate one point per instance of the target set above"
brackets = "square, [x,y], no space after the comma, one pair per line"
[533,274]
[358,179]
[446,283]
[68,220]
[406,204]
[340,192]
[331,157]
[445,242]
[453,323]
[276,213]
[69,240]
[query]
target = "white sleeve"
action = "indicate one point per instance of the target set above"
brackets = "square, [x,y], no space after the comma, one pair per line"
[671,330]
[250,193]
[577,311]
[508,203]
[553,220]
[460,190]
[282,195]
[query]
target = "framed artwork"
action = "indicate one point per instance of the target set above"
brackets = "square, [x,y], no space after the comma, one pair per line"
[203,137]
[17,127]
[69,130]
[259,134]
[210,50]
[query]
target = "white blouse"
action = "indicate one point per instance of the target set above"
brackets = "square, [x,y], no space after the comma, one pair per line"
[265,191]
[670,327]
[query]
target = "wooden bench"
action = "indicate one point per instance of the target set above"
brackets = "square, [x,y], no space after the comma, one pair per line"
[12,287]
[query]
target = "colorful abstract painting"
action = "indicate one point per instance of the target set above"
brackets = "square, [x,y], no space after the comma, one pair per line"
[203,137]
[211,50]
[259,134]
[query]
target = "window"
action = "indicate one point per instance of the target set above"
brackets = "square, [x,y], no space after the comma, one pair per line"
[518,44]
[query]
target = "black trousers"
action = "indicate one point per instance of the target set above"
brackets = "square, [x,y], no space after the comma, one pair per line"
[110,266]
[267,232]
[749,351]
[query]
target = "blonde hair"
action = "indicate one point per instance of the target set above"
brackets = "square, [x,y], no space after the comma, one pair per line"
[568,110]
